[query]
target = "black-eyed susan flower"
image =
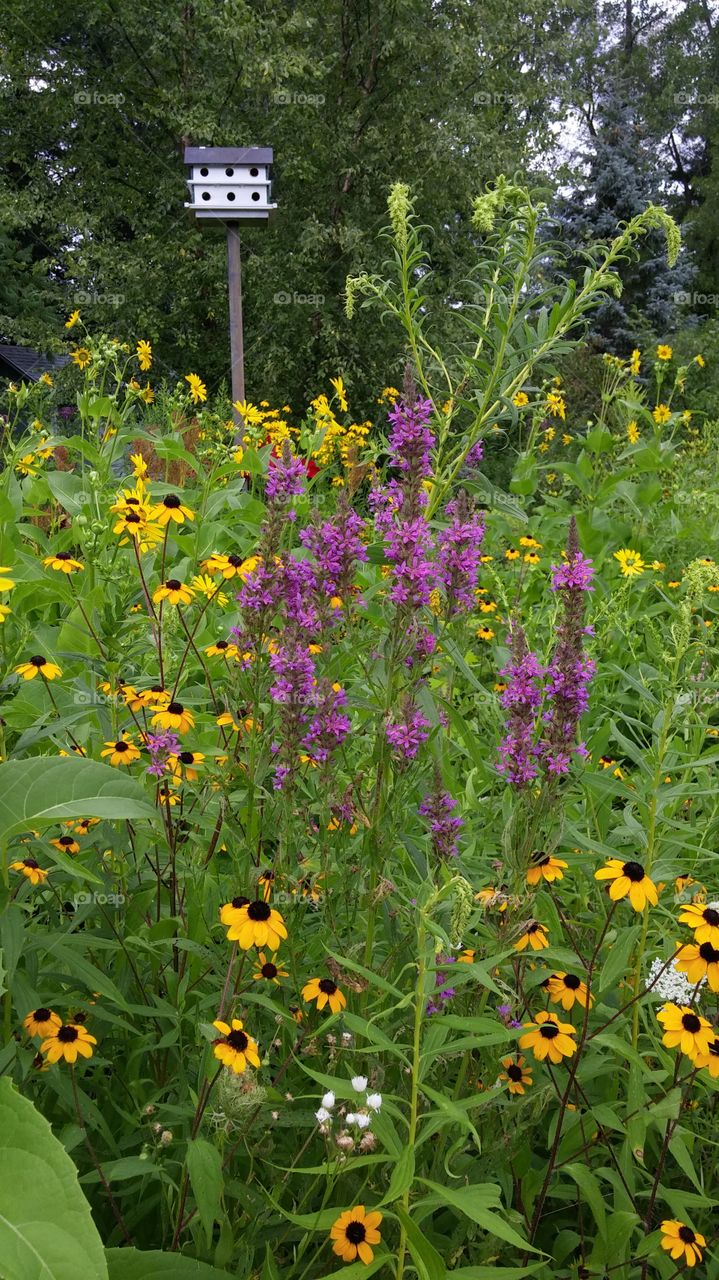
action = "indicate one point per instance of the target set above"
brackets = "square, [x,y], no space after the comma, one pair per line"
[186,764]
[268,970]
[565,989]
[198,390]
[534,936]
[62,562]
[169,508]
[628,878]
[173,715]
[545,867]
[678,1239]
[266,880]
[38,665]
[41,1022]
[466,956]
[236,1049]
[485,633]
[492,898]
[324,991]
[207,587]
[30,869]
[547,1037]
[517,1075]
[699,960]
[155,697]
[704,920]
[82,827]
[685,1029]
[253,924]
[123,751]
[710,1059]
[66,844]
[67,1042]
[174,591]
[511,553]
[353,1234]
[222,649]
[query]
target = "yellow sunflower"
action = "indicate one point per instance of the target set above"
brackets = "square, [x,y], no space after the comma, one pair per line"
[62,562]
[67,1042]
[253,924]
[144,355]
[630,562]
[681,1242]
[236,1049]
[324,991]
[38,666]
[628,878]
[547,1037]
[354,1232]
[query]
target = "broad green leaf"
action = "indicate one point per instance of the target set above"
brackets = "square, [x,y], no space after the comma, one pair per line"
[46,789]
[402,1176]
[46,1231]
[204,1165]
[479,1203]
[134,1264]
[591,1192]
[428,1262]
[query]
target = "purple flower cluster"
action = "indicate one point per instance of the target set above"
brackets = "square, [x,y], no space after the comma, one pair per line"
[442,992]
[161,746]
[458,554]
[406,735]
[474,456]
[337,547]
[411,441]
[329,725]
[444,826]
[294,673]
[561,688]
[285,479]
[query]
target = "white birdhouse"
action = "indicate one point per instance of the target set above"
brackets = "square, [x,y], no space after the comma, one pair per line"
[231,184]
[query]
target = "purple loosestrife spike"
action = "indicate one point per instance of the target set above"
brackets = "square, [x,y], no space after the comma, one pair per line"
[407,734]
[518,751]
[285,478]
[569,670]
[438,808]
[458,554]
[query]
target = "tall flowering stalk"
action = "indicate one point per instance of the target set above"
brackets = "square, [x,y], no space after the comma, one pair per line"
[458,553]
[522,698]
[569,670]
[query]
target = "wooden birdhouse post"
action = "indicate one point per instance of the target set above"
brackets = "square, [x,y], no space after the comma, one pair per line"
[231,185]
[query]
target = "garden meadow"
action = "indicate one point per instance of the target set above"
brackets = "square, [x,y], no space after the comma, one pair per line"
[360,896]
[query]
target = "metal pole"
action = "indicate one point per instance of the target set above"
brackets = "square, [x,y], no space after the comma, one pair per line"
[234,283]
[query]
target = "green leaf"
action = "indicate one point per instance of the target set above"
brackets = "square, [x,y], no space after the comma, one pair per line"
[132,1264]
[591,1191]
[478,1203]
[402,1176]
[46,789]
[204,1165]
[46,1231]
[428,1262]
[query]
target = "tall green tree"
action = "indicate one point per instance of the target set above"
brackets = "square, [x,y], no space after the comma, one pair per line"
[100,97]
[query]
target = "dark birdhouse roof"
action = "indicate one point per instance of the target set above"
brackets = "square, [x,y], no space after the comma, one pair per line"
[228,155]
[26,363]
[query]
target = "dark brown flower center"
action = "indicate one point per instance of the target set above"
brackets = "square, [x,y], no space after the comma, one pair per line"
[187,757]
[132,518]
[549,1030]
[237,1040]
[328,986]
[687,1235]
[222,644]
[172,501]
[30,863]
[690,1022]
[714,1048]
[174,584]
[514,1072]
[175,708]
[532,928]
[67,1035]
[235,561]
[355,1232]
[709,953]
[240,902]
[42,1015]
[634,871]
[709,914]
[540,858]
[63,555]
[572,982]
[269,970]
[120,746]
[67,840]
[37,661]
[259,911]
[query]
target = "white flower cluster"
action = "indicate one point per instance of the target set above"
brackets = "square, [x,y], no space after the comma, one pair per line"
[360,1119]
[672,986]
